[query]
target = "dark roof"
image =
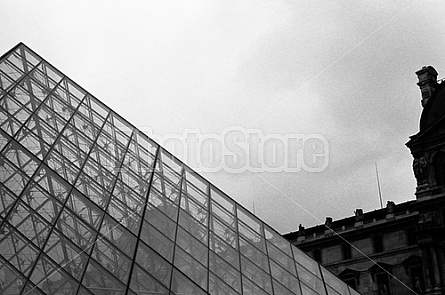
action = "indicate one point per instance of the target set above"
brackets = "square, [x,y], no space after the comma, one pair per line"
[348,222]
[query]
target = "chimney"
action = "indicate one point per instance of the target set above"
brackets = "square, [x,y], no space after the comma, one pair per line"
[328,222]
[427,82]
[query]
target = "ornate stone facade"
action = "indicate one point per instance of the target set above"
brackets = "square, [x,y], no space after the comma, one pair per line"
[399,249]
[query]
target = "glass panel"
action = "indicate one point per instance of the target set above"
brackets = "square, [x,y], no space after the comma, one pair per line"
[101,282]
[218,287]
[285,261]
[224,250]
[76,93]
[21,94]
[11,70]
[84,208]
[38,74]
[101,176]
[281,290]
[250,288]
[255,274]
[224,232]
[93,190]
[118,236]
[306,290]
[147,147]
[306,261]
[221,213]
[42,202]
[198,212]
[7,199]
[112,259]
[124,215]
[163,203]
[5,82]
[15,108]
[84,126]
[143,284]
[191,245]
[50,72]
[12,280]
[13,178]
[33,142]
[62,166]
[157,241]
[196,180]
[30,289]
[4,139]
[29,223]
[67,255]
[284,277]
[192,268]
[35,85]
[249,219]
[182,285]
[81,141]
[160,221]
[335,282]
[332,291]
[68,148]
[60,111]
[277,240]
[87,111]
[195,228]
[13,66]
[16,249]
[169,167]
[154,264]
[51,279]
[52,183]
[225,272]
[84,291]
[30,57]
[197,195]
[75,229]
[17,60]
[256,256]
[8,123]
[315,283]
[252,236]
[167,188]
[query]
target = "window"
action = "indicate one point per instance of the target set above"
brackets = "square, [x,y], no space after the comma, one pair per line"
[439,168]
[377,243]
[350,277]
[411,238]
[346,251]
[383,286]
[352,282]
[416,278]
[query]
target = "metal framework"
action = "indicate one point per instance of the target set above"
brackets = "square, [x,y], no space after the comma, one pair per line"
[91,205]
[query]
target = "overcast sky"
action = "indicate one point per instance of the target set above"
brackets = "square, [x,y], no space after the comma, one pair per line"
[342,69]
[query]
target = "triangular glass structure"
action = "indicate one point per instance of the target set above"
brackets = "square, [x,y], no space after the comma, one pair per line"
[91,205]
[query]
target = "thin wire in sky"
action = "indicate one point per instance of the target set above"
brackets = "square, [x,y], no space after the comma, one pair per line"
[274,107]
[294,92]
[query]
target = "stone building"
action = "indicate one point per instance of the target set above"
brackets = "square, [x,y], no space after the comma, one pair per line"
[398,249]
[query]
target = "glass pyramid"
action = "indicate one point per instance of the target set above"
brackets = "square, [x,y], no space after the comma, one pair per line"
[91,205]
